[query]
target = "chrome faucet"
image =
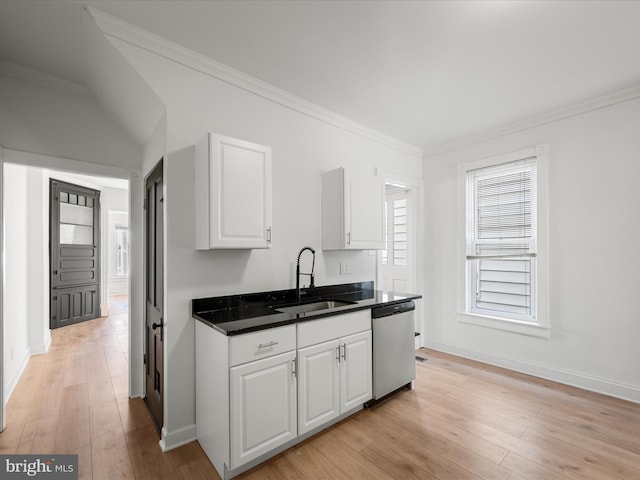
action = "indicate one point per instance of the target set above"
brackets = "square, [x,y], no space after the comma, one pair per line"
[311,285]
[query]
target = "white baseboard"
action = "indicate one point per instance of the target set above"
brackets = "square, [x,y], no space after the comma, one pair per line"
[586,382]
[41,348]
[13,381]
[177,438]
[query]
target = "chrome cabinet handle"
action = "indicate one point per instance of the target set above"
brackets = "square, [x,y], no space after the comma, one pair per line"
[338,353]
[269,235]
[266,345]
[348,238]
[293,368]
[344,352]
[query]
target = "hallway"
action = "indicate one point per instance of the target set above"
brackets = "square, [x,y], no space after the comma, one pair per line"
[74,399]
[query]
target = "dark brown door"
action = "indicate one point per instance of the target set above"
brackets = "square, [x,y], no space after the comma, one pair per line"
[154,275]
[74,253]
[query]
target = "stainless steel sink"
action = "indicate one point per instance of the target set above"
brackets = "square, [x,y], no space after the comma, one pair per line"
[312,307]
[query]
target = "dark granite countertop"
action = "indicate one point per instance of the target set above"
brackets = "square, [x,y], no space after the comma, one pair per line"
[237,314]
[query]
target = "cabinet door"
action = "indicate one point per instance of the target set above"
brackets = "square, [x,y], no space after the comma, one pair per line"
[356,367]
[263,406]
[318,383]
[364,211]
[233,193]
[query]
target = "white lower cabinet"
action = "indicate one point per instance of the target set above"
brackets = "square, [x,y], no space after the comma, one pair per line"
[334,377]
[319,385]
[258,392]
[356,370]
[263,406]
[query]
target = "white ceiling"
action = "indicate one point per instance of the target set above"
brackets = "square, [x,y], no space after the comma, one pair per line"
[424,72]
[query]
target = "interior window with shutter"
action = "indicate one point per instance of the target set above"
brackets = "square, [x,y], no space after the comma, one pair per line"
[501,240]
[395,227]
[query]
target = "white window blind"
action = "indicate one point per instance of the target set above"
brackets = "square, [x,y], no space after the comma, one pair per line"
[501,240]
[395,232]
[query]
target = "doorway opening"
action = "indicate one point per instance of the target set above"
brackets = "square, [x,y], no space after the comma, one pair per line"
[26,309]
[398,261]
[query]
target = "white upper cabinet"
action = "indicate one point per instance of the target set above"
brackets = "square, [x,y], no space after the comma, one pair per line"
[232,193]
[352,211]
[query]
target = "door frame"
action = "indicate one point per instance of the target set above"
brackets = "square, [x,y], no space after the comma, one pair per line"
[416,186]
[136,188]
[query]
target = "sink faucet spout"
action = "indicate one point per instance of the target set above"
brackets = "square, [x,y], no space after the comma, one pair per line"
[298,273]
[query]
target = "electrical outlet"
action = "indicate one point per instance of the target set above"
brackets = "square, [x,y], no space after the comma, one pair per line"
[344,268]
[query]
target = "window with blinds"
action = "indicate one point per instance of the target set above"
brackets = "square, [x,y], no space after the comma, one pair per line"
[501,240]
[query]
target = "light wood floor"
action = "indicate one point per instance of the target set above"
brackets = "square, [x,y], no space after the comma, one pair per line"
[463,420]
[74,399]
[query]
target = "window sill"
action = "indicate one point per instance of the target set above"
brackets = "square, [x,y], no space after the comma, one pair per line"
[513,326]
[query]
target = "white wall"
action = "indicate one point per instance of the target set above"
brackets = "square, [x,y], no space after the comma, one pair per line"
[26,294]
[303,148]
[594,226]
[38,260]
[42,120]
[16,299]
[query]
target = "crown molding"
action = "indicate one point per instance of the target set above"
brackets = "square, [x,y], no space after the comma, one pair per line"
[35,77]
[117,28]
[568,111]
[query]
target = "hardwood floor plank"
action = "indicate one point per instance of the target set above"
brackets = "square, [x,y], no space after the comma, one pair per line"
[595,459]
[347,460]
[146,457]
[110,457]
[73,432]
[610,450]
[38,436]
[529,469]
[200,469]
[105,420]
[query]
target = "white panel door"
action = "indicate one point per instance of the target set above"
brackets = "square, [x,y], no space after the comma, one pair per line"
[355,370]
[318,383]
[263,406]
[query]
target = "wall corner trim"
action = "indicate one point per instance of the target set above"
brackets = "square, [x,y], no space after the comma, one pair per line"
[119,29]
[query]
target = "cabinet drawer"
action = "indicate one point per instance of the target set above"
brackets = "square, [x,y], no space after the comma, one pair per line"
[312,332]
[262,344]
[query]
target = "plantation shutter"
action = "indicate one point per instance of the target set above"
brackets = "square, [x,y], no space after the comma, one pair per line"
[501,247]
[395,226]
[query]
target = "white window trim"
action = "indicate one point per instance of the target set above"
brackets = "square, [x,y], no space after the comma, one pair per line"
[541,328]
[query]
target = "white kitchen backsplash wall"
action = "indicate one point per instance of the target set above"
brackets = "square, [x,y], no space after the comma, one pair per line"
[594,227]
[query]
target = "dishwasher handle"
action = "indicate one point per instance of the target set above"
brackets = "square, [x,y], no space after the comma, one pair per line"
[393,309]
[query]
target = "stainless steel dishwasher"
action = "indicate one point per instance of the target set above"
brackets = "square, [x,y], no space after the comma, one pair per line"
[394,364]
